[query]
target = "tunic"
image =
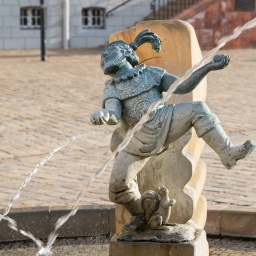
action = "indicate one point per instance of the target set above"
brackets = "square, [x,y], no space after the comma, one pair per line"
[137,90]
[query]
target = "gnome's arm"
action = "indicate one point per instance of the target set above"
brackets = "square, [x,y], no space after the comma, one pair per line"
[114,107]
[111,115]
[218,62]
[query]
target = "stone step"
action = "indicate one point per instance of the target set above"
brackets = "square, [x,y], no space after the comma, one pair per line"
[171,8]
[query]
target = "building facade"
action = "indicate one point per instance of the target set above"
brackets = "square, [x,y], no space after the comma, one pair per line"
[68,23]
[88,23]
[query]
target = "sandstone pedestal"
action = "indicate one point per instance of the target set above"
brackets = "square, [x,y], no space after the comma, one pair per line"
[197,247]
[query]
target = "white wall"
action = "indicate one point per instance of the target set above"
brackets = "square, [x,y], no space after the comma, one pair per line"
[13,37]
[54,23]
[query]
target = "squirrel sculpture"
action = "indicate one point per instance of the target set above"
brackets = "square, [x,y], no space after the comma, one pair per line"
[157,207]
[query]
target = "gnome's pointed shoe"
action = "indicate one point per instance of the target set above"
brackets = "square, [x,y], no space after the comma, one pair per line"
[229,154]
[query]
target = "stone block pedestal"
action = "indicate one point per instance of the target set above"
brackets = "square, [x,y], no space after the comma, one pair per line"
[197,247]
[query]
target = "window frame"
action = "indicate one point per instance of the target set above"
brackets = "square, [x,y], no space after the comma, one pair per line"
[93,17]
[30,17]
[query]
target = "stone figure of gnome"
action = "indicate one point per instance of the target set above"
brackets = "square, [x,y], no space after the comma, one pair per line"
[129,94]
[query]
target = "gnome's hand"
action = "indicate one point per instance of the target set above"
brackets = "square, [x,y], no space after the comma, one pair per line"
[220,61]
[100,117]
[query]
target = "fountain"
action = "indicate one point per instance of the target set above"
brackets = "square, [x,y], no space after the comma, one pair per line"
[164,151]
[45,250]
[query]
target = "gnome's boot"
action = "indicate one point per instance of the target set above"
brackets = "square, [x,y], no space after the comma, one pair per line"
[218,140]
[137,220]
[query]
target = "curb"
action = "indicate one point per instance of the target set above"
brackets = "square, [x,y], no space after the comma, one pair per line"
[237,221]
[222,220]
[88,221]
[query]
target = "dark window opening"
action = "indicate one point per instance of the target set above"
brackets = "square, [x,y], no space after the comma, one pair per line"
[30,17]
[245,5]
[93,17]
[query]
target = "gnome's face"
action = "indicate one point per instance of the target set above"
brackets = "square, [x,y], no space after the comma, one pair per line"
[112,59]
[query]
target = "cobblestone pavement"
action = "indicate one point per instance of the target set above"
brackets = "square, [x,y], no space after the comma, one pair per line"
[100,247]
[45,103]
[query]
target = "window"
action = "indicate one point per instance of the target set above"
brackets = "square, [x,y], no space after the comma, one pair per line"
[245,5]
[93,17]
[30,17]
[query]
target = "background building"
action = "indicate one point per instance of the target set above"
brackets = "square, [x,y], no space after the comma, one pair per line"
[88,23]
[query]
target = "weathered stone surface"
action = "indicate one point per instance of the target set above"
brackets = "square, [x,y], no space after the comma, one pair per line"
[172,234]
[198,218]
[197,247]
